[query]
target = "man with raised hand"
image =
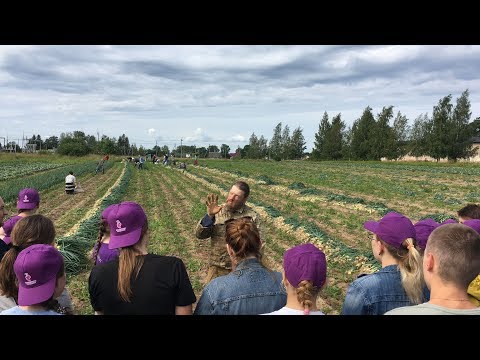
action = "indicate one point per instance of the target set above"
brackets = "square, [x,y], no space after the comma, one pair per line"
[212,226]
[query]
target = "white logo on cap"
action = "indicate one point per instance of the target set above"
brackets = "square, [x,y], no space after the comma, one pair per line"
[25,198]
[28,279]
[119,227]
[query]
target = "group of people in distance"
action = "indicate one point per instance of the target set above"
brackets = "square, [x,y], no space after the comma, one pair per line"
[426,267]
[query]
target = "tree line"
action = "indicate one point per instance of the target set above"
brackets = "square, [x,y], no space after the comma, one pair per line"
[448,133]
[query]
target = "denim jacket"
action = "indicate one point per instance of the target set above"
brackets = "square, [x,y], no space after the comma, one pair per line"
[248,290]
[377,293]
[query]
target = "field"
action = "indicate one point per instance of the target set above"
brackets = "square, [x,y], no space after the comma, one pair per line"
[299,201]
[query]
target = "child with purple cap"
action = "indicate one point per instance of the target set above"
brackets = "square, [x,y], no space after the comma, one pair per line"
[27,204]
[423,229]
[400,281]
[138,283]
[41,277]
[304,274]
[101,252]
[28,231]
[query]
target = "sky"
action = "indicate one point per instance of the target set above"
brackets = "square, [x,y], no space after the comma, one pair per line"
[215,94]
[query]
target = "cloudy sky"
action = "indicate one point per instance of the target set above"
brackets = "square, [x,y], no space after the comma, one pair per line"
[216,94]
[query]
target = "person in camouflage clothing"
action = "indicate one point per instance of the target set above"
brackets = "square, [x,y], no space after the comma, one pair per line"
[212,226]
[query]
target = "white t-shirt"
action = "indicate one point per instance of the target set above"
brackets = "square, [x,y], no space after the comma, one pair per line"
[70,179]
[289,311]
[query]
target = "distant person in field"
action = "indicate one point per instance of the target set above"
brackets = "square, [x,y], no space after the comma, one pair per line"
[474,287]
[40,273]
[400,281]
[28,231]
[212,226]
[251,288]
[141,161]
[101,252]
[423,229]
[468,212]
[304,274]
[70,183]
[101,165]
[450,263]
[138,283]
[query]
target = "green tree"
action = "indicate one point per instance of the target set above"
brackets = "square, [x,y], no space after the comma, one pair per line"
[297,144]
[320,137]
[363,130]
[438,138]
[225,149]
[51,142]
[418,136]
[333,143]
[401,131]
[461,134]
[123,144]
[275,146]
[383,141]
[285,144]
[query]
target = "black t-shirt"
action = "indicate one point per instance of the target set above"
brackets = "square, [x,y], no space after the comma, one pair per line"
[161,284]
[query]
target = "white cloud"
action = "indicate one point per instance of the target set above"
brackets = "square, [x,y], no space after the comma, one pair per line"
[151,131]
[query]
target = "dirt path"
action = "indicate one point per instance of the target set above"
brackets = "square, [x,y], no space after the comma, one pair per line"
[66,210]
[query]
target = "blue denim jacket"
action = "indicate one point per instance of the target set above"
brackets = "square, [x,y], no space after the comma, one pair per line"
[248,290]
[377,293]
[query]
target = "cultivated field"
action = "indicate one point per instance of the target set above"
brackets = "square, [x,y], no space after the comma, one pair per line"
[299,201]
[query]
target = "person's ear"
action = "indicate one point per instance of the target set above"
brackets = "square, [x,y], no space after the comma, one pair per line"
[428,261]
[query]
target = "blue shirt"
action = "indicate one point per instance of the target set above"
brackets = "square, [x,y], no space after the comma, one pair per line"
[377,293]
[250,289]
[18,311]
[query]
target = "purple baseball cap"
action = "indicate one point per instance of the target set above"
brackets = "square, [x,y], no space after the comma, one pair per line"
[106,211]
[36,268]
[8,227]
[126,221]
[305,262]
[393,228]
[28,199]
[449,221]
[423,229]
[474,224]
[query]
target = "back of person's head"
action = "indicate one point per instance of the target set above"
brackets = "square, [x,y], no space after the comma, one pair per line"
[243,237]
[305,269]
[30,230]
[456,248]
[423,229]
[128,225]
[103,230]
[242,185]
[397,233]
[37,269]
[71,172]
[469,211]
[28,199]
